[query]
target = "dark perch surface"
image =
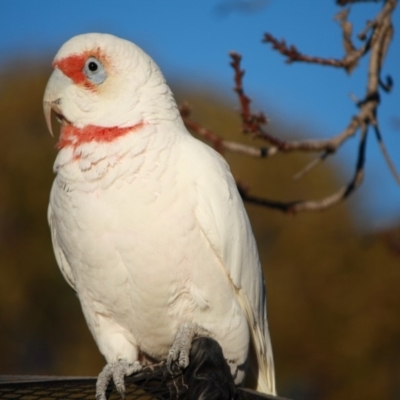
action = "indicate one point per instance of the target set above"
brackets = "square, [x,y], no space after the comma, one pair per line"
[207,378]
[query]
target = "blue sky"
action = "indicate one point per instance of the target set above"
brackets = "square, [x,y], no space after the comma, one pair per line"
[190,41]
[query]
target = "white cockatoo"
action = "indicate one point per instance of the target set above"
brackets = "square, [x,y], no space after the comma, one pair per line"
[147,224]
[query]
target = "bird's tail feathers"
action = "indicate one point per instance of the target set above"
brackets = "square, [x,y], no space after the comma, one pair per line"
[265,364]
[261,363]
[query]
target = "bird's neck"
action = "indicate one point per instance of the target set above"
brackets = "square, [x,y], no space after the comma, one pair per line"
[102,157]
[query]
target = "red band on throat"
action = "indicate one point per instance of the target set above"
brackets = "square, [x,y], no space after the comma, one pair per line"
[73,136]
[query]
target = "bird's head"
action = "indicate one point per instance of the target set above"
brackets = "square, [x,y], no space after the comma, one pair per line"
[104,82]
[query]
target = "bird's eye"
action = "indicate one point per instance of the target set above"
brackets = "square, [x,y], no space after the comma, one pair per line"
[95,71]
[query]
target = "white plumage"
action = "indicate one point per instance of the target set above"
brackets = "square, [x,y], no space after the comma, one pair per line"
[147,224]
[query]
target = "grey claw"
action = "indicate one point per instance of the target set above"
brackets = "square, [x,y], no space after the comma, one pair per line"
[183,342]
[102,382]
[118,377]
[117,371]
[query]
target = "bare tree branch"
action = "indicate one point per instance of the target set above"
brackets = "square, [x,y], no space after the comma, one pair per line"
[352,54]
[294,207]
[377,36]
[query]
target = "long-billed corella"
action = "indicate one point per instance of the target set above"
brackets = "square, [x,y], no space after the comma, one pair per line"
[147,224]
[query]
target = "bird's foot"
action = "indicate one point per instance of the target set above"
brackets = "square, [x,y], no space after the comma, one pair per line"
[180,350]
[117,372]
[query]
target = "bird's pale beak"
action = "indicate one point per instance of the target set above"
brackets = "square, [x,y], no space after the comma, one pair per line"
[47,115]
[52,100]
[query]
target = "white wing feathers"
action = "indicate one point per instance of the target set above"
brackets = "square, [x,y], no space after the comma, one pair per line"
[225,224]
[59,254]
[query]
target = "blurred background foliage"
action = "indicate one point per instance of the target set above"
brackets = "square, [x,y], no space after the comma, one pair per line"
[333,291]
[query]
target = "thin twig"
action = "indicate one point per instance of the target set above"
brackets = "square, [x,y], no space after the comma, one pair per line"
[386,154]
[220,144]
[310,166]
[251,121]
[294,55]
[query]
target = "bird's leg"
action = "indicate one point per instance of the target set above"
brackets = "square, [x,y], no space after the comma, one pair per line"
[183,342]
[117,372]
